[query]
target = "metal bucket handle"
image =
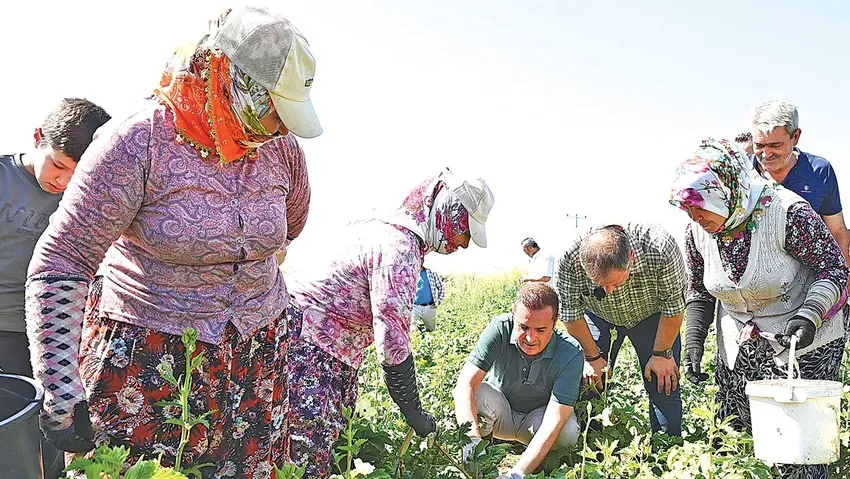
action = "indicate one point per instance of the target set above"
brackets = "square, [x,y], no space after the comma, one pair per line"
[788,396]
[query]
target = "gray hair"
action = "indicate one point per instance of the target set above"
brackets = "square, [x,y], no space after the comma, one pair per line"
[605,250]
[530,242]
[772,114]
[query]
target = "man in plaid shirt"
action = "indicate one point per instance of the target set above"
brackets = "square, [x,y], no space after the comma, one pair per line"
[630,279]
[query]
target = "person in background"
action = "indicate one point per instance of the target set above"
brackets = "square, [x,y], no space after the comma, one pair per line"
[776,132]
[745,142]
[195,192]
[764,253]
[364,293]
[521,382]
[541,265]
[429,294]
[31,185]
[630,279]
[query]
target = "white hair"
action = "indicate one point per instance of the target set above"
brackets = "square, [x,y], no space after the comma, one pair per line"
[771,114]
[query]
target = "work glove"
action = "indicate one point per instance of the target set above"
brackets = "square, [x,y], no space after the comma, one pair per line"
[468,451]
[699,315]
[512,474]
[401,383]
[800,327]
[78,436]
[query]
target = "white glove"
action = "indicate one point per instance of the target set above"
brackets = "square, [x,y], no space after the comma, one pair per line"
[512,474]
[467,449]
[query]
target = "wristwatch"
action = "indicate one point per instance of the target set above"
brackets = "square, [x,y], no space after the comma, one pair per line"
[667,353]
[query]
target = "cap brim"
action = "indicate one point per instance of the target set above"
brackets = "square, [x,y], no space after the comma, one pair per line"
[299,117]
[478,233]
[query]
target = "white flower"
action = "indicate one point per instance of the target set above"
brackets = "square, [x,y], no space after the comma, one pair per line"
[362,468]
[606,417]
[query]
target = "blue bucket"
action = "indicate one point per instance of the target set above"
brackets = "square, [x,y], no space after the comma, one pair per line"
[20,436]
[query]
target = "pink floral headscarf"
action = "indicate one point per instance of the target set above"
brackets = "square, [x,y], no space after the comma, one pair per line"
[434,213]
[718,178]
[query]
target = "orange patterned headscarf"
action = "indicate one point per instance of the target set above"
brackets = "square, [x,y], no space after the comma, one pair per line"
[199,90]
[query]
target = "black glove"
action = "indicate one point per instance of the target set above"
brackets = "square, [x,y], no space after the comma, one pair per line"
[77,437]
[801,327]
[700,314]
[401,382]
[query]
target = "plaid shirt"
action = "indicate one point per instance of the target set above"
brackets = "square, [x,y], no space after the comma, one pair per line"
[656,281]
[437,290]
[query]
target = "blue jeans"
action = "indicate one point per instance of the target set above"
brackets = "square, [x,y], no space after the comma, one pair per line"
[665,412]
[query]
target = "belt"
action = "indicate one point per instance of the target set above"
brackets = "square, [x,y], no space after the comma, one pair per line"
[426,304]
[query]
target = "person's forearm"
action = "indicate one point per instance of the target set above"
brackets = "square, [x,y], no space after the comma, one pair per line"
[466,409]
[579,330]
[668,330]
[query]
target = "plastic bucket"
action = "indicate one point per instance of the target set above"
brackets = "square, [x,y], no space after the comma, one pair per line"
[795,421]
[20,436]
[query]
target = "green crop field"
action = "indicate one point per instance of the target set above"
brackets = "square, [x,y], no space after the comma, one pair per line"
[618,446]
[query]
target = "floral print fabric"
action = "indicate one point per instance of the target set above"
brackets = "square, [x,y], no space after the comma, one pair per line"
[243,379]
[319,387]
[718,178]
[364,294]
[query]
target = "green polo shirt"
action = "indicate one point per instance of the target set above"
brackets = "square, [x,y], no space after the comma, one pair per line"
[529,384]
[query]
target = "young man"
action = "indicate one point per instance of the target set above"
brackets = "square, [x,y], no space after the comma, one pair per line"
[533,373]
[632,279]
[776,132]
[31,185]
[541,265]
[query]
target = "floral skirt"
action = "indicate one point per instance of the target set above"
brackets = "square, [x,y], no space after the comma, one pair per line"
[755,362]
[243,380]
[319,387]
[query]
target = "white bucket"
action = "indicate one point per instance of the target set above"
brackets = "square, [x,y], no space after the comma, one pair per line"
[795,421]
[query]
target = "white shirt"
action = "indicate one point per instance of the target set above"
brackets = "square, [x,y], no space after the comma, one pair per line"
[540,265]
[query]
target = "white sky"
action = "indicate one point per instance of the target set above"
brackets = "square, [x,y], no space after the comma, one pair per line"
[563,107]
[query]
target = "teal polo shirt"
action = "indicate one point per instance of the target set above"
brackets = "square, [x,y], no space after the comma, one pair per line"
[529,384]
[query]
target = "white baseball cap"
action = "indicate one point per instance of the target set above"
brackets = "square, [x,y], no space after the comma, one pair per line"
[275,54]
[476,197]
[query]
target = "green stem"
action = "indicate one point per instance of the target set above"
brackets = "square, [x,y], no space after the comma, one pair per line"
[184,413]
[349,453]
[452,461]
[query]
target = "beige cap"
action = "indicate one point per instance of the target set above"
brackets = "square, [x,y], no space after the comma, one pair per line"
[275,54]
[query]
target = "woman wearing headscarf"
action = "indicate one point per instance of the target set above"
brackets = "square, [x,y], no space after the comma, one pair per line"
[771,261]
[365,294]
[195,193]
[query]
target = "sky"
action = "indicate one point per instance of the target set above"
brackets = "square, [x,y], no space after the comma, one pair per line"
[565,108]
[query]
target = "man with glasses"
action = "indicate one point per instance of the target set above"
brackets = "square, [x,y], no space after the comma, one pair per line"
[629,279]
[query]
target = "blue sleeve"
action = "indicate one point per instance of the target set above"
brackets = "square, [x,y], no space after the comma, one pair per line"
[832,201]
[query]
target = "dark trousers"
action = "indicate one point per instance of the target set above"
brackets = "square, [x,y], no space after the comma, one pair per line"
[665,412]
[15,359]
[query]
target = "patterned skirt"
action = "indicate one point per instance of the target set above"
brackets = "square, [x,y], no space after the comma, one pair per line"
[319,387]
[755,362]
[243,380]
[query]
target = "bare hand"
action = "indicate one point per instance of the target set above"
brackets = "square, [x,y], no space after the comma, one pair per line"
[595,372]
[666,371]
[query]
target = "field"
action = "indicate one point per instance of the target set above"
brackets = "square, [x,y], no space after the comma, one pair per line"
[619,445]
